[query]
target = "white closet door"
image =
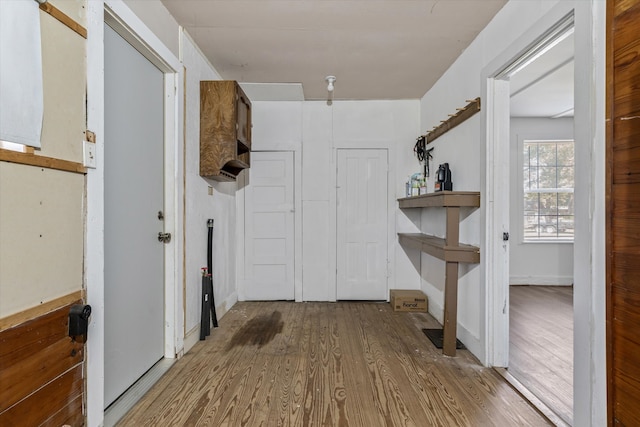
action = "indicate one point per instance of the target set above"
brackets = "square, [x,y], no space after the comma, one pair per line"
[134,194]
[362,225]
[269,227]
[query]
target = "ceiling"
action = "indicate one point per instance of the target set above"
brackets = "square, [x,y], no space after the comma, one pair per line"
[544,88]
[377,49]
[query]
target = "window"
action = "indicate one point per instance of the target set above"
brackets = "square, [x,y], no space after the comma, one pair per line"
[548,181]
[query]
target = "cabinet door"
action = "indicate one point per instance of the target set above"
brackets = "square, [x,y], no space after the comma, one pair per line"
[243,107]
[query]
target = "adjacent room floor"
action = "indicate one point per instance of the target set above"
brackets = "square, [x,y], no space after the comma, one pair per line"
[541,344]
[328,364]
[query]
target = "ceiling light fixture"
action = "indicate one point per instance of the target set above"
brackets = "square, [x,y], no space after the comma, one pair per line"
[330,82]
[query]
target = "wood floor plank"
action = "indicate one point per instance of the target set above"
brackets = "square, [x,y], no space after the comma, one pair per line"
[327,364]
[541,344]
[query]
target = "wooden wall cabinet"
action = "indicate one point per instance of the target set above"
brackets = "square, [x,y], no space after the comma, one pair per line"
[225,130]
[448,249]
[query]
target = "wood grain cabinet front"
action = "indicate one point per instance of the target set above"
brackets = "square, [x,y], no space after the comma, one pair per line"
[225,130]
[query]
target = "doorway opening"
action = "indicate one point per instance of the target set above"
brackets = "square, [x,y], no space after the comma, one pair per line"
[534,95]
[140,136]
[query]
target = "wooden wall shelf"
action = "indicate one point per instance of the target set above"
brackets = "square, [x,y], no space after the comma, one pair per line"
[448,249]
[442,199]
[437,247]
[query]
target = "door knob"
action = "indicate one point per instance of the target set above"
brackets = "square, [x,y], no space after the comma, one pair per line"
[164,237]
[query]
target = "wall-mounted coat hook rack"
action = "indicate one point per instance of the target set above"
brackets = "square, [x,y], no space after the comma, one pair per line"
[454,120]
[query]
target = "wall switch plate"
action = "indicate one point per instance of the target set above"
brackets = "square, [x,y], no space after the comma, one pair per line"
[210,190]
[89,154]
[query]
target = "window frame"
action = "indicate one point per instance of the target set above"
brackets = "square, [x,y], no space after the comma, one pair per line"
[521,192]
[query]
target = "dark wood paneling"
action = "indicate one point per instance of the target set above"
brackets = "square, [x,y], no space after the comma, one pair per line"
[625,273]
[51,399]
[623,211]
[70,415]
[41,373]
[22,378]
[33,336]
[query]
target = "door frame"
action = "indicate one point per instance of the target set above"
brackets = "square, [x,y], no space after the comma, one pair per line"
[498,160]
[119,17]
[333,209]
[589,256]
[243,181]
[389,199]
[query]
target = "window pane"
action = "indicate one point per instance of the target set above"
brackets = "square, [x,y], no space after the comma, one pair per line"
[565,204]
[565,227]
[531,226]
[565,177]
[549,204]
[547,176]
[531,179]
[531,154]
[546,154]
[531,204]
[548,226]
[565,154]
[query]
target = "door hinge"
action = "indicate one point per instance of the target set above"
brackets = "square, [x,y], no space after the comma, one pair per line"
[164,237]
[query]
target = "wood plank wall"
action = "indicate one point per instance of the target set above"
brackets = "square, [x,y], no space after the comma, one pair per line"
[623,211]
[41,373]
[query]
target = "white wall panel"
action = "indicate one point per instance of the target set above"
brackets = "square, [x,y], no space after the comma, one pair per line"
[316,276]
[159,20]
[277,126]
[41,235]
[221,206]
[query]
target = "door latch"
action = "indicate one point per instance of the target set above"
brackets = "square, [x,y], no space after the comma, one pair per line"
[164,237]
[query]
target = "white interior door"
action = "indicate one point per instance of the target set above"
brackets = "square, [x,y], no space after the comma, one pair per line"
[134,194]
[361,225]
[269,227]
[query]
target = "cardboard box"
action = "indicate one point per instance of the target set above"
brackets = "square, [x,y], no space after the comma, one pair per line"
[408,300]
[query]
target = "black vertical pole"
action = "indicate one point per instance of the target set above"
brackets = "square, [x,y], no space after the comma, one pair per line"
[214,316]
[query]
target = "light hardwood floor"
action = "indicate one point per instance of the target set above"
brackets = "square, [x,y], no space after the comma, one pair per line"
[541,344]
[328,364]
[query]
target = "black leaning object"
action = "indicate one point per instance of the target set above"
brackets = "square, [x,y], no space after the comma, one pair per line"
[205,327]
[436,336]
[214,316]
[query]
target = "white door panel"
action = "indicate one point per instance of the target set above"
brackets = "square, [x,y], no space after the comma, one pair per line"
[134,194]
[269,227]
[362,225]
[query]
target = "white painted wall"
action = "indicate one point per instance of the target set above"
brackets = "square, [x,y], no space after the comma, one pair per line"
[42,209]
[314,131]
[159,20]
[221,206]
[501,40]
[535,263]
